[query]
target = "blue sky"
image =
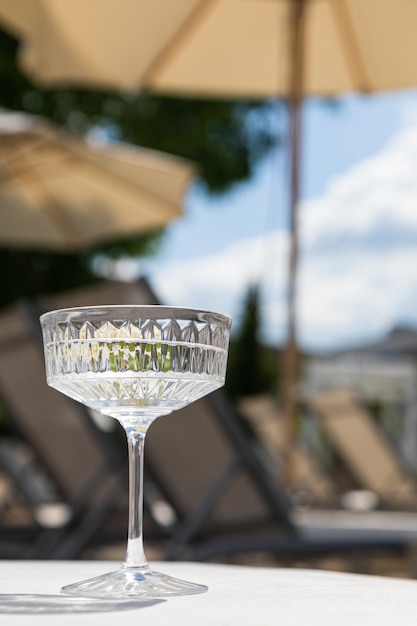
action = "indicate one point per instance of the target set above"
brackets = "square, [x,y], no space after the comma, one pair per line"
[358,229]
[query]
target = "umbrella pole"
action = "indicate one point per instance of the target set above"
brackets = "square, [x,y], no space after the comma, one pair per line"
[291,356]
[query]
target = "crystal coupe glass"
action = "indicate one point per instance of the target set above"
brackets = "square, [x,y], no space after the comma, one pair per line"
[135,363]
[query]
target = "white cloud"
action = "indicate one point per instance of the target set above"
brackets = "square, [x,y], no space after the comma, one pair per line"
[358,269]
[349,299]
[375,197]
[220,281]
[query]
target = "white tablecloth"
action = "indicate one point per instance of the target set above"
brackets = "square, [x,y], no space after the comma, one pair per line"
[238,596]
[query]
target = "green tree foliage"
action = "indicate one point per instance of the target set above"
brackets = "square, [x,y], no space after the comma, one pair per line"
[251,368]
[225,139]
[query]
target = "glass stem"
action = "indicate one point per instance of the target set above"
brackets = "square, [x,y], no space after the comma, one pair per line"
[135,555]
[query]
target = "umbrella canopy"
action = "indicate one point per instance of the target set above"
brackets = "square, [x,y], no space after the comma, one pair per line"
[60,192]
[227,47]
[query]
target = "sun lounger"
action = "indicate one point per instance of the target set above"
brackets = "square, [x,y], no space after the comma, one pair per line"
[364,448]
[87,479]
[311,486]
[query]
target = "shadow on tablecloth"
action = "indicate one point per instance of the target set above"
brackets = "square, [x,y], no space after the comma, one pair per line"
[45,603]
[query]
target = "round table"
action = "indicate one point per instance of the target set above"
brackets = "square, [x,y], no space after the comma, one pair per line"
[237,596]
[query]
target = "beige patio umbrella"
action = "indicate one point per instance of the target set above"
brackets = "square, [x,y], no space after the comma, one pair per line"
[60,192]
[225,48]
[216,47]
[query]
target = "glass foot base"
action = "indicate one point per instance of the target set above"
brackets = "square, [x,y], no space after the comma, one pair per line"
[129,582]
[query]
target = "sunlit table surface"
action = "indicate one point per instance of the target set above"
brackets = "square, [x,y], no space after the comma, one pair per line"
[238,596]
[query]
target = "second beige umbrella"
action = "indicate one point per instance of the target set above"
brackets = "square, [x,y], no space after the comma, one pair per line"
[60,192]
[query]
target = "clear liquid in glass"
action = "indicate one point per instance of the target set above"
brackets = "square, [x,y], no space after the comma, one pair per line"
[143,378]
